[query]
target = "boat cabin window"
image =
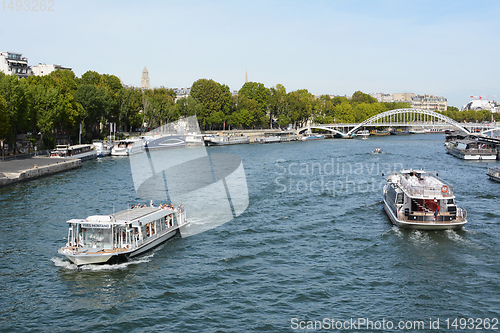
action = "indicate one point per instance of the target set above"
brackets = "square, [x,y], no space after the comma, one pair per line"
[451,201]
[101,237]
[399,199]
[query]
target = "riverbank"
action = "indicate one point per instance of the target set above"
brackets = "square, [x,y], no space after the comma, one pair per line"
[14,171]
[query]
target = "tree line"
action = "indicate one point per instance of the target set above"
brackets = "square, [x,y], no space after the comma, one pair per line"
[55,105]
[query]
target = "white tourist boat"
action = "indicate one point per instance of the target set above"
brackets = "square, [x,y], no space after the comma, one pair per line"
[82,152]
[467,149]
[418,131]
[224,140]
[103,148]
[416,199]
[114,238]
[494,174]
[313,137]
[268,139]
[364,134]
[193,139]
[128,147]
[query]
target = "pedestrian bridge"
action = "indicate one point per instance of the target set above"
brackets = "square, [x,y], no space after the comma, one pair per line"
[403,118]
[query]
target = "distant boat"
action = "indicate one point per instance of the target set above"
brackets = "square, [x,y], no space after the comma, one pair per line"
[377,150]
[224,140]
[435,130]
[128,147]
[82,152]
[379,133]
[103,148]
[268,139]
[194,140]
[363,134]
[399,132]
[313,137]
[418,131]
[471,150]
[494,174]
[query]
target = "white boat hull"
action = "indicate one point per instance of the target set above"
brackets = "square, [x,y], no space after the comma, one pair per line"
[421,225]
[471,156]
[118,256]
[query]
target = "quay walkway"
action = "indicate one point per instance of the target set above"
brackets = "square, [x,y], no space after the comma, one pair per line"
[14,171]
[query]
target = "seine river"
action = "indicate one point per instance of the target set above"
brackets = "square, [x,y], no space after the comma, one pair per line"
[313,250]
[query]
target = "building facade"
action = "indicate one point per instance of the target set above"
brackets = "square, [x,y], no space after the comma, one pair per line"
[43,69]
[14,63]
[424,102]
[429,102]
[482,104]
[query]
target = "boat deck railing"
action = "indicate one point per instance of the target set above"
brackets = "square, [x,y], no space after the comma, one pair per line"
[480,151]
[441,218]
[430,192]
[495,172]
[426,189]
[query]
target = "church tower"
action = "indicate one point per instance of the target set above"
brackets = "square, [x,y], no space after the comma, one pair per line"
[145,79]
[246,76]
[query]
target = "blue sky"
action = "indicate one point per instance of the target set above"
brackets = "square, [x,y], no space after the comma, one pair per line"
[445,48]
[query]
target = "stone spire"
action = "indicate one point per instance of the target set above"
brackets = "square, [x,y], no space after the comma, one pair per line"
[145,79]
[246,76]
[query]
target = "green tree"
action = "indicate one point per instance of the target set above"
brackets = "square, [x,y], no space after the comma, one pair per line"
[300,106]
[90,77]
[277,102]
[213,97]
[96,104]
[246,109]
[158,106]
[4,118]
[344,113]
[15,92]
[188,106]
[260,94]
[130,106]
[360,97]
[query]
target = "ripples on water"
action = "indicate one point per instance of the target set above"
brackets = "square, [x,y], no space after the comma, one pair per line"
[297,252]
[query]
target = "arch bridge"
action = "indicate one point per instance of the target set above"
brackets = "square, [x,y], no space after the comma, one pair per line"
[401,118]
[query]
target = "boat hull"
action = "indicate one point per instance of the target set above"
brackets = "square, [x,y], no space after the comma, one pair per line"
[494,174]
[470,155]
[226,142]
[421,225]
[313,137]
[117,257]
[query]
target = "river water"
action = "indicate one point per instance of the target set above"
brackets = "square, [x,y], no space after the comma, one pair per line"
[313,249]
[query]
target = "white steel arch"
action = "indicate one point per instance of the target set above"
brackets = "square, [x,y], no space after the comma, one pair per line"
[491,130]
[324,127]
[412,114]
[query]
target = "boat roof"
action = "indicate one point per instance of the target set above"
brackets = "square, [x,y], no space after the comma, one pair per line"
[411,170]
[128,216]
[421,184]
[467,141]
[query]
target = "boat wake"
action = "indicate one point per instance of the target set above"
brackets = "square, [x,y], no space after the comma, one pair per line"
[60,262]
[419,237]
[456,238]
